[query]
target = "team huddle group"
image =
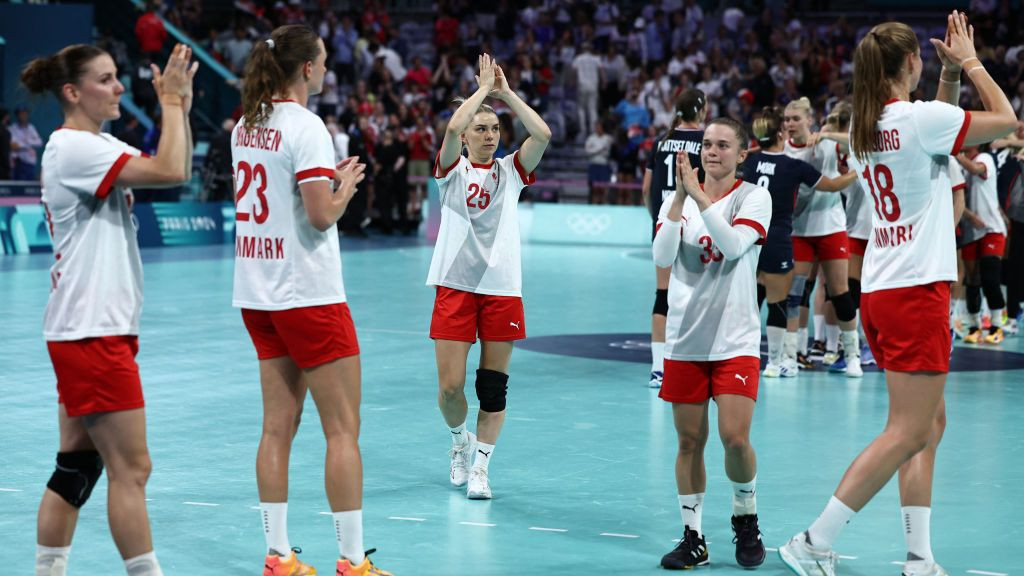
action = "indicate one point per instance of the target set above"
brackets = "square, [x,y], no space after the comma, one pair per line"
[728,228]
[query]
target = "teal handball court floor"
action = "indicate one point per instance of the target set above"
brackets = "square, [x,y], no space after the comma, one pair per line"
[583,475]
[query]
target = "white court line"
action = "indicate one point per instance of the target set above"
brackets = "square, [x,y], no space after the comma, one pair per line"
[848,557]
[255,508]
[983,573]
[614,535]
[407,519]
[10,490]
[897,563]
[482,524]
[539,529]
[200,504]
[771,549]
[326,514]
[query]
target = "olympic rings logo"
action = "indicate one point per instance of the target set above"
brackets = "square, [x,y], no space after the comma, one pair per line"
[583,224]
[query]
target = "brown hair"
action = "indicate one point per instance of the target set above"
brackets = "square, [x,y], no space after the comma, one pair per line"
[688,106]
[766,128]
[739,129]
[51,73]
[877,63]
[840,115]
[273,65]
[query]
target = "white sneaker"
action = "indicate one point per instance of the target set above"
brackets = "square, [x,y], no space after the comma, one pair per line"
[1011,327]
[829,358]
[804,560]
[790,368]
[460,455]
[853,367]
[479,485]
[922,568]
[772,371]
[657,376]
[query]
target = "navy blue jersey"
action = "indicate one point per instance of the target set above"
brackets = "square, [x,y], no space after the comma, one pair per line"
[662,163]
[782,176]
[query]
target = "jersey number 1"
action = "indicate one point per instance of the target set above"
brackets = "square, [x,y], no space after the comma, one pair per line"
[887,205]
[247,173]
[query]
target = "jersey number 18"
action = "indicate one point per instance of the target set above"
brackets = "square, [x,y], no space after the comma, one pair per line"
[887,205]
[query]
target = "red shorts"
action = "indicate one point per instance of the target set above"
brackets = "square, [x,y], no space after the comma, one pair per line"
[989,245]
[908,328]
[460,315]
[97,374]
[858,246]
[821,248]
[688,382]
[310,336]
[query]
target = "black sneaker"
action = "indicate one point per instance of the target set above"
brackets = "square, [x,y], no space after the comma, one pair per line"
[692,551]
[817,350]
[804,361]
[749,548]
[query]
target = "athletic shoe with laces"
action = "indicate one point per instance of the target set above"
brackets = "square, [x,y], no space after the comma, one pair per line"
[657,376]
[804,560]
[853,366]
[749,548]
[789,368]
[460,455]
[995,335]
[1012,327]
[479,487]
[829,358]
[366,568]
[866,357]
[772,371]
[839,366]
[274,565]
[817,349]
[922,568]
[804,361]
[691,551]
[973,336]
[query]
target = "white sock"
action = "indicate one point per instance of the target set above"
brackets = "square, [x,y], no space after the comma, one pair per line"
[483,456]
[52,561]
[789,346]
[775,336]
[997,318]
[917,532]
[825,530]
[819,327]
[275,527]
[744,497]
[657,356]
[832,337]
[143,565]
[851,344]
[801,341]
[348,529]
[459,435]
[692,506]
[975,321]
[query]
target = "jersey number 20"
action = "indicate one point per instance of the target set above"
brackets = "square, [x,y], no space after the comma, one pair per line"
[887,205]
[247,173]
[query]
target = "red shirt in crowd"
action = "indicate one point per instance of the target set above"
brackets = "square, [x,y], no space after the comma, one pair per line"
[150,32]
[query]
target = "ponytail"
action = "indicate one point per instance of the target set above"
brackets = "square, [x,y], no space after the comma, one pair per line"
[689,105]
[273,65]
[51,73]
[766,129]
[877,65]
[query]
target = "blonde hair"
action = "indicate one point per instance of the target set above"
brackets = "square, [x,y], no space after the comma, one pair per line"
[485,108]
[803,104]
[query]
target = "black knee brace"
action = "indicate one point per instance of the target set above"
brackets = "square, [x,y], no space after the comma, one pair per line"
[661,302]
[491,389]
[991,268]
[855,292]
[973,299]
[845,310]
[76,475]
[777,314]
[805,301]
[762,293]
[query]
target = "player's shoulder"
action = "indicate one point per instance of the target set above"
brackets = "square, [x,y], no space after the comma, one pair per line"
[748,190]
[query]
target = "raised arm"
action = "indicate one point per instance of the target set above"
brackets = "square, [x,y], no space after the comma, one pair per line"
[533,149]
[949,80]
[451,146]
[998,118]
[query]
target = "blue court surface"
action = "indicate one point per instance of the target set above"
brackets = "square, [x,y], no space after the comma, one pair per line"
[583,474]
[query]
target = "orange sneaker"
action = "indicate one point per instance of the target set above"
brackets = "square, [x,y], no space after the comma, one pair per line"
[345,568]
[275,565]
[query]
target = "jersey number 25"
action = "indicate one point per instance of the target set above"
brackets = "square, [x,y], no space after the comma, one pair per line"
[478,197]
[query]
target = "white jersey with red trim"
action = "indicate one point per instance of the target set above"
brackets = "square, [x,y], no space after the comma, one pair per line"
[984,196]
[712,312]
[281,260]
[817,213]
[907,183]
[477,247]
[96,282]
